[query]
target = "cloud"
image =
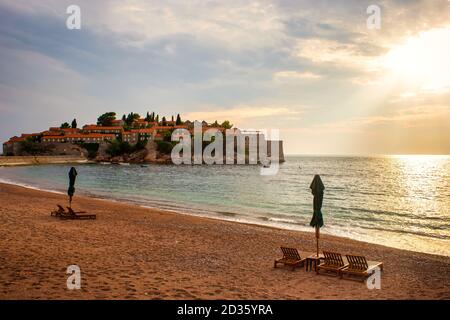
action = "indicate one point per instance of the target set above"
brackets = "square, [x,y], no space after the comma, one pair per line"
[418,116]
[237,25]
[295,75]
[254,63]
[241,113]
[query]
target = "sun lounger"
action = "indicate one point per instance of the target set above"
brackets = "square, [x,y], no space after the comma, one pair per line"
[360,267]
[76,215]
[333,263]
[59,212]
[291,257]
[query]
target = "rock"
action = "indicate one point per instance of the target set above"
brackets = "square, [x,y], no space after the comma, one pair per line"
[102,156]
[138,156]
[151,155]
[117,159]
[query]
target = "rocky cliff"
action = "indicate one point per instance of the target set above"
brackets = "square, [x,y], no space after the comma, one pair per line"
[148,154]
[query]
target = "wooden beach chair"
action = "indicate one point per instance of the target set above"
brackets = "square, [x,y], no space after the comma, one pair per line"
[333,263]
[358,266]
[78,215]
[59,212]
[291,257]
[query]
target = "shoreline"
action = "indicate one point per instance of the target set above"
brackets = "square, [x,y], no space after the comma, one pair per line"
[15,161]
[131,252]
[208,215]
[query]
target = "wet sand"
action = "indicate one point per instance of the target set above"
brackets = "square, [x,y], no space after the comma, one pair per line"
[131,252]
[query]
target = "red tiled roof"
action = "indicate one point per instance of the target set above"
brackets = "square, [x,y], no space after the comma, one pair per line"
[207,128]
[16,139]
[90,135]
[95,127]
[70,129]
[80,135]
[50,133]
[26,135]
[146,130]
[163,128]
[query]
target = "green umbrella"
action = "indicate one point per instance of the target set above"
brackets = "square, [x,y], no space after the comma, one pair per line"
[71,191]
[317,188]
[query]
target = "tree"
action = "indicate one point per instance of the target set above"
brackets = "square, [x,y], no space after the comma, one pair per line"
[65,125]
[167,135]
[152,117]
[178,122]
[226,125]
[215,124]
[117,148]
[131,118]
[91,148]
[35,148]
[74,123]
[148,117]
[157,118]
[164,147]
[164,121]
[124,118]
[172,119]
[106,119]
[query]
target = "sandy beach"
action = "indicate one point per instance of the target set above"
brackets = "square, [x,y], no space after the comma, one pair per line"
[131,252]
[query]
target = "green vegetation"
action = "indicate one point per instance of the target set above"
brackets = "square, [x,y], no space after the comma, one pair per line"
[178,122]
[65,125]
[164,121]
[226,124]
[118,147]
[106,119]
[35,148]
[74,124]
[140,145]
[131,117]
[167,135]
[164,147]
[91,148]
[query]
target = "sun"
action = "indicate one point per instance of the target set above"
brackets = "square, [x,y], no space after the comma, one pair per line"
[422,61]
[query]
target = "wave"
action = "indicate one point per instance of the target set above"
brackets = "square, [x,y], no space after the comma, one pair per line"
[29,186]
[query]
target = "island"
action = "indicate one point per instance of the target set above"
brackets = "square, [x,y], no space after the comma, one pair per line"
[130,139]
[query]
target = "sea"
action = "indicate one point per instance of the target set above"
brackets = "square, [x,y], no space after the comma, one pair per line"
[396,201]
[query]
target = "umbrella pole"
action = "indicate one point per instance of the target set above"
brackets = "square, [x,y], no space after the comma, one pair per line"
[317,239]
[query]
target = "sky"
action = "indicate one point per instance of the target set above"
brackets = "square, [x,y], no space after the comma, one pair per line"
[310,68]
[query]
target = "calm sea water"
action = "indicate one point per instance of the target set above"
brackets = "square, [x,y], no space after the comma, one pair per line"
[398,201]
